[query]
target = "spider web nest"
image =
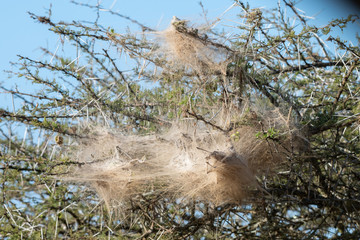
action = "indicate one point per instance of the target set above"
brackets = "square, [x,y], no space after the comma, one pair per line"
[191,49]
[188,161]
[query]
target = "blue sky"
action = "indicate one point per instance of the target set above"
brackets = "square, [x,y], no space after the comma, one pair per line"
[22,35]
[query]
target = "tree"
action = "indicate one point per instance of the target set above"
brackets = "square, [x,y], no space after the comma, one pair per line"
[269,66]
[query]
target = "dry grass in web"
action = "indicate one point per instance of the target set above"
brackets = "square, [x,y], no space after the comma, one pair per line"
[188,161]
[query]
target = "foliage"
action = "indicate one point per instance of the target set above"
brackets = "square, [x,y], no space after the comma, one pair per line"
[313,195]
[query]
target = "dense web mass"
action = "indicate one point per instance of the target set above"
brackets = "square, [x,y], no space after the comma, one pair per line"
[190,48]
[188,161]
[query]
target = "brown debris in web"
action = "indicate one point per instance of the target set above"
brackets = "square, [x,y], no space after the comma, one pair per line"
[186,47]
[186,161]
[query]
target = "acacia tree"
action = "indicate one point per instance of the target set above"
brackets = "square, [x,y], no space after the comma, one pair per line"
[314,195]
